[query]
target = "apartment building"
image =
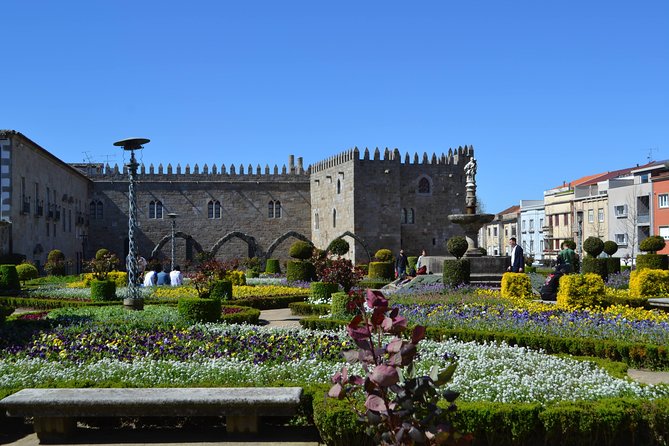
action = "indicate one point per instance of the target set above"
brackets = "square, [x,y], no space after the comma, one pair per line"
[531,236]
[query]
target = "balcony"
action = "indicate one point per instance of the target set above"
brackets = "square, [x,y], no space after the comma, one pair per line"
[643,219]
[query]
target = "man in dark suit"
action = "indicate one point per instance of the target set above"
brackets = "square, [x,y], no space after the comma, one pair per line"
[517,259]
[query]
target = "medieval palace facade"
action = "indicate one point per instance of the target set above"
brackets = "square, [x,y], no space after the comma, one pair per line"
[373,200]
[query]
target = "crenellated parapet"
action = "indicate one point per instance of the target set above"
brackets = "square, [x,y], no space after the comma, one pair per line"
[453,157]
[106,172]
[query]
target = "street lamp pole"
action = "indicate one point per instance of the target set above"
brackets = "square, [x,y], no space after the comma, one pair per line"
[173,217]
[133,300]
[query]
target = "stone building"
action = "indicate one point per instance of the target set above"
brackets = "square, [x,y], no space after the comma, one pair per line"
[374,201]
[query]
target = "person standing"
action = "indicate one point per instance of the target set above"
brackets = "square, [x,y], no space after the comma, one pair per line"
[567,258]
[176,278]
[517,258]
[401,265]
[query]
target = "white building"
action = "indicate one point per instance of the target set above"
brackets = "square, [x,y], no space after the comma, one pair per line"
[531,236]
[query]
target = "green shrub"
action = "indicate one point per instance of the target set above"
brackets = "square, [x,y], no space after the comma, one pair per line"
[241,315]
[221,290]
[199,310]
[610,247]
[374,284]
[100,253]
[322,290]
[384,255]
[235,276]
[530,269]
[26,271]
[269,303]
[5,311]
[272,266]
[9,279]
[338,247]
[301,250]
[381,270]
[55,263]
[103,290]
[412,260]
[307,309]
[652,244]
[649,283]
[456,272]
[593,246]
[581,291]
[300,271]
[570,243]
[457,246]
[338,424]
[613,265]
[516,285]
[364,267]
[595,265]
[340,301]
[652,261]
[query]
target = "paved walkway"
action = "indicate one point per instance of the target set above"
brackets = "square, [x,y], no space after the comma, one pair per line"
[280,318]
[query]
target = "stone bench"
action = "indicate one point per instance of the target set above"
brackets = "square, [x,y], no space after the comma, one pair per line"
[55,411]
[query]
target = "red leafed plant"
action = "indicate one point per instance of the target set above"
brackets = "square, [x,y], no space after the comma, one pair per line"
[400,408]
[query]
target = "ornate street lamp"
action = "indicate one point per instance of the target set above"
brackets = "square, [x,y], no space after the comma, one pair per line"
[133,300]
[173,217]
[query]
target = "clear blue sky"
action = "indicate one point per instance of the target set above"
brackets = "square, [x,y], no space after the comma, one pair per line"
[544,91]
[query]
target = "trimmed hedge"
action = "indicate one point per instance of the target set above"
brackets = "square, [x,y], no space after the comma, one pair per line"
[516,285]
[196,309]
[652,261]
[9,280]
[613,265]
[381,270]
[581,290]
[48,304]
[307,309]
[103,290]
[595,265]
[456,272]
[268,303]
[339,305]
[323,290]
[26,271]
[4,312]
[221,290]
[272,266]
[649,283]
[300,271]
[373,284]
[247,315]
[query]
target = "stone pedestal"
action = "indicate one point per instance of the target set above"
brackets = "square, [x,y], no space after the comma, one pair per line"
[471,224]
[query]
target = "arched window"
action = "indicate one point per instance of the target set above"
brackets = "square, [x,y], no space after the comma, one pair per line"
[424,186]
[316,222]
[334,218]
[339,186]
[214,209]
[95,210]
[411,218]
[274,209]
[155,209]
[404,216]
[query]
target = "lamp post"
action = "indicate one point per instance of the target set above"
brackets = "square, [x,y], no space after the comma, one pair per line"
[133,300]
[173,217]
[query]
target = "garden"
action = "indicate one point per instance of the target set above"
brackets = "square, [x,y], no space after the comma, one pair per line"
[448,364]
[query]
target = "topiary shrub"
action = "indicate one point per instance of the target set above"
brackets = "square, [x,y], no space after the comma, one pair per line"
[101,253]
[195,309]
[581,291]
[300,271]
[456,272]
[652,244]
[301,250]
[593,246]
[384,255]
[649,283]
[595,265]
[457,246]
[381,270]
[103,290]
[338,247]
[652,261]
[612,265]
[610,247]
[320,292]
[55,263]
[221,290]
[412,260]
[516,285]
[272,266]
[340,305]
[9,280]
[26,271]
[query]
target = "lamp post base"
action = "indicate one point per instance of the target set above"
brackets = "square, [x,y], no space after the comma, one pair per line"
[133,304]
